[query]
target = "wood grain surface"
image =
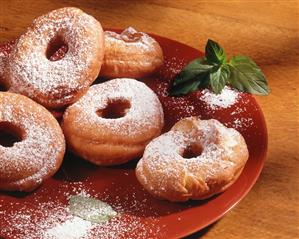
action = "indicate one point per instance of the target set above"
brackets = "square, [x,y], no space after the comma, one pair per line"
[267,31]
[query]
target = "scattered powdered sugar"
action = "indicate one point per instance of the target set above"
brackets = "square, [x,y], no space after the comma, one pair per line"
[225,99]
[27,222]
[237,111]
[162,89]
[32,74]
[171,67]
[53,220]
[240,123]
[73,228]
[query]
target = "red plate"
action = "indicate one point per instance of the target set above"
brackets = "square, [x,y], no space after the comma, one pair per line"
[140,215]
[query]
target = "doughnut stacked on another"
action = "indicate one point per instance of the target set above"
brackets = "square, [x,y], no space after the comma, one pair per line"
[55,84]
[40,148]
[196,159]
[113,122]
[130,54]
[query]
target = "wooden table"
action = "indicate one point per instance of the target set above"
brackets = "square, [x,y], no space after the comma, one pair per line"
[267,31]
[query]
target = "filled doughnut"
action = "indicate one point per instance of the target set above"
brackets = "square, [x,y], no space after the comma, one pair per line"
[113,122]
[54,84]
[196,159]
[130,54]
[32,145]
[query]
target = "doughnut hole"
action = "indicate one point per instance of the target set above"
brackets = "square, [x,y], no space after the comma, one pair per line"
[192,150]
[115,109]
[57,48]
[3,87]
[10,134]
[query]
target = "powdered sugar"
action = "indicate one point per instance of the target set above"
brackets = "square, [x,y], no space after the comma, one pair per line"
[225,99]
[4,53]
[163,160]
[37,154]
[3,59]
[144,117]
[52,219]
[130,37]
[131,54]
[73,228]
[32,74]
[240,123]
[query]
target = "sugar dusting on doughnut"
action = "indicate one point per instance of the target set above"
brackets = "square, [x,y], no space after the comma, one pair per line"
[32,74]
[135,118]
[21,154]
[117,140]
[130,54]
[131,36]
[3,58]
[167,174]
[35,156]
[5,50]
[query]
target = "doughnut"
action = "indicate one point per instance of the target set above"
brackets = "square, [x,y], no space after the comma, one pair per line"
[5,49]
[3,60]
[130,54]
[113,122]
[32,144]
[54,84]
[195,160]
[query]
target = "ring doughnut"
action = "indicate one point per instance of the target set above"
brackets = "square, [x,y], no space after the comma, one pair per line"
[113,122]
[57,83]
[196,159]
[37,151]
[130,54]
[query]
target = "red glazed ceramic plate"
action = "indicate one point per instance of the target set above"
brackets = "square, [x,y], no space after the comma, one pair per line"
[44,214]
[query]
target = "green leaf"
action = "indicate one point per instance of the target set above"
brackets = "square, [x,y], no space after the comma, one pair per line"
[246,76]
[190,71]
[219,78]
[91,209]
[213,71]
[215,53]
[187,87]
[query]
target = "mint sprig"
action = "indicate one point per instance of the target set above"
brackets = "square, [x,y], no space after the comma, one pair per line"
[214,71]
[90,209]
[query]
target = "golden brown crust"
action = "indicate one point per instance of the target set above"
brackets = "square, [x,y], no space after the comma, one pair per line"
[216,157]
[38,154]
[55,84]
[130,54]
[107,140]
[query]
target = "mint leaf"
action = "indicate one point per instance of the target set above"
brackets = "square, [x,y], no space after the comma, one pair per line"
[188,86]
[219,78]
[215,53]
[192,70]
[213,71]
[246,76]
[90,209]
